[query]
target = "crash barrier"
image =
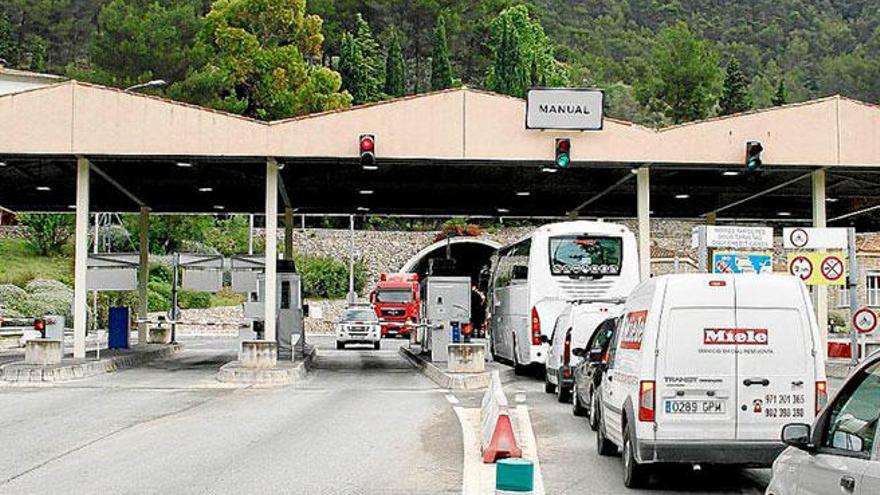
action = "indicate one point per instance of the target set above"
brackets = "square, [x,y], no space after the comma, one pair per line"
[497,439]
[514,477]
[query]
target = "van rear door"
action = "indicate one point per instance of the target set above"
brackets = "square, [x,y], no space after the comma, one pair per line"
[773,340]
[696,383]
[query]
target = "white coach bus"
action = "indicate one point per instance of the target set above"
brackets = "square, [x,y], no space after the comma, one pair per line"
[534,278]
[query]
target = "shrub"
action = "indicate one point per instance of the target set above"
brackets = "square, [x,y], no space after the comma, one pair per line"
[47,233]
[324,277]
[194,300]
[15,301]
[50,297]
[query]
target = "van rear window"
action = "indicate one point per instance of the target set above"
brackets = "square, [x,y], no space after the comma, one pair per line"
[585,255]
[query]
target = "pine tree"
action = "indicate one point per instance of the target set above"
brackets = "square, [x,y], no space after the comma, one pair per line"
[359,63]
[395,77]
[780,97]
[735,96]
[441,69]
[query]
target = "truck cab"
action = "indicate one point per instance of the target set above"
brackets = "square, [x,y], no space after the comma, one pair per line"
[396,302]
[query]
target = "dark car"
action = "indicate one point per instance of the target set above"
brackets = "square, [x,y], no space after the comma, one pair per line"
[588,374]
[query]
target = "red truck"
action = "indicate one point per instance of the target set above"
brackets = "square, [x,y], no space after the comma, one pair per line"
[396,302]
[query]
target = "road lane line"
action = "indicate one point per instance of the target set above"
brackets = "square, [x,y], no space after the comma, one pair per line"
[476,478]
[529,446]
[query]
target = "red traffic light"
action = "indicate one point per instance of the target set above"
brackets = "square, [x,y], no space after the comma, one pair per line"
[563,145]
[367,143]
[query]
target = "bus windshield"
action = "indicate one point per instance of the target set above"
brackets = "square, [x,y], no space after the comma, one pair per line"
[585,255]
[400,296]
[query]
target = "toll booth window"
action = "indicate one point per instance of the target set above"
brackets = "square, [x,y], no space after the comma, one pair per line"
[285,295]
[585,255]
[394,296]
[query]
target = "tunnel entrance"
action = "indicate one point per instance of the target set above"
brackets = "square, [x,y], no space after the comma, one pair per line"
[472,259]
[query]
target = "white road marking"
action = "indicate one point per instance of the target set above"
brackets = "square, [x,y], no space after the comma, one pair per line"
[529,446]
[476,478]
[520,397]
[452,399]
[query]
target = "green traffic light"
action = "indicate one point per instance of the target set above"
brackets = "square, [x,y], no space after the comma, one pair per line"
[753,164]
[562,160]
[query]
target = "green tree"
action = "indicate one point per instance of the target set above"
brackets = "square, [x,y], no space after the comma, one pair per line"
[395,76]
[141,40]
[441,68]
[735,96]
[522,54]
[47,233]
[684,79]
[258,62]
[779,98]
[359,63]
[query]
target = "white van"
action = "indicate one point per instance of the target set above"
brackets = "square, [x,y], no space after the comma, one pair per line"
[574,327]
[707,369]
[533,278]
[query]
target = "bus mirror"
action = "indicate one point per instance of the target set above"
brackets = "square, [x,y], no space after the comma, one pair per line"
[520,272]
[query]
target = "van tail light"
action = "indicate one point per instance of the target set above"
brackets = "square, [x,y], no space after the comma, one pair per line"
[821,395]
[536,327]
[39,324]
[566,350]
[646,401]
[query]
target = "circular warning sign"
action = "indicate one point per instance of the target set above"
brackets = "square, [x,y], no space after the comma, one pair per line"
[865,320]
[802,267]
[799,238]
[832,268]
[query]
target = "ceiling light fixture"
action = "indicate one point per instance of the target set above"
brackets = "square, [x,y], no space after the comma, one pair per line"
[219,207]
[784,214]
[730,173]
[184,164]
[503,210]
[206,189]
[370,167]
[831,200]
[366,192]
[362,208]
[549,170]
[44,188]
[523,193]
[682,196]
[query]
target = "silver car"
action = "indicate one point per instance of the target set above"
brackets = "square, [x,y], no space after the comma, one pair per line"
[358,325]
[840,452]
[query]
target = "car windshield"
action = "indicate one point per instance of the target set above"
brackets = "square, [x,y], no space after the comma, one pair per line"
[359,315]
[585,255]
[394,296]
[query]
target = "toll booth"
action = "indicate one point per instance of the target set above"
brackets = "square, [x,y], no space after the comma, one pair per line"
[288,299]
[446,306]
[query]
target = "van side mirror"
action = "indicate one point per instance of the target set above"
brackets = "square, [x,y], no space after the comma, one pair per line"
[595,355]
[579,352]
[545,339]
[520,272]
[798,435]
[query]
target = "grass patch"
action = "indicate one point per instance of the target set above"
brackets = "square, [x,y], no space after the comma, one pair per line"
[19,265]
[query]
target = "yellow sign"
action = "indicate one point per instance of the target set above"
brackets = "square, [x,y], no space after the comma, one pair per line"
[818,268]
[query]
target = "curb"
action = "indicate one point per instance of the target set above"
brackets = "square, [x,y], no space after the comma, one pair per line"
[445,379]
[284,373]
[19,372]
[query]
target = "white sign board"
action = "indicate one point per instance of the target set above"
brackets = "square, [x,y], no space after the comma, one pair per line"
[561,108]
[735,237]
[814,238]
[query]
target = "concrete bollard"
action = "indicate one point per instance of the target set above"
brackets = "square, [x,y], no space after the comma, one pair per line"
[466,358]
[514,477]
[159,335]
[43,352]
[258,354]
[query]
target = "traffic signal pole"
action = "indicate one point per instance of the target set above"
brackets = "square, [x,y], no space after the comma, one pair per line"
[852,282]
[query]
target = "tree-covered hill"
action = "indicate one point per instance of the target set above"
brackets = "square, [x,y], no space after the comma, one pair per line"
[273,58]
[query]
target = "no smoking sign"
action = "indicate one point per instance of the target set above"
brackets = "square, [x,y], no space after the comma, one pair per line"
[832,268]
[818,268]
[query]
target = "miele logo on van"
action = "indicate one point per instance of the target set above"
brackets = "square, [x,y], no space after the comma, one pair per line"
[736,336]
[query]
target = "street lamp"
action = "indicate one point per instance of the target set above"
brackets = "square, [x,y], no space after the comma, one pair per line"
[156,83]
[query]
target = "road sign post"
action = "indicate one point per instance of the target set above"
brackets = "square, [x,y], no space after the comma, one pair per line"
[853,284]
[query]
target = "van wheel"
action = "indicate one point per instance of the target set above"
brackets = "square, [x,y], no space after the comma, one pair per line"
[549,387]
[635,475]
[603,445]
[576,408]
[563,394]
[593,412]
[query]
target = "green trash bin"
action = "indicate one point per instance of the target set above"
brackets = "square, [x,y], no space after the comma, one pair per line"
[514,477]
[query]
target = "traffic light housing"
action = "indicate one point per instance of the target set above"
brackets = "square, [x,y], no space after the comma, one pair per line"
[563,153]
[367,148]
[753,155]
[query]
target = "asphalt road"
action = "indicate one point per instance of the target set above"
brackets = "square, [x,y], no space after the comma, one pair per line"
[364,422]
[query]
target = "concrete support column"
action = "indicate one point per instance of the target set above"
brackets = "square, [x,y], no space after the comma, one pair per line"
[81,254]
[143,271]
[820,219]
[271,256]
[643,200]
[288,233]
